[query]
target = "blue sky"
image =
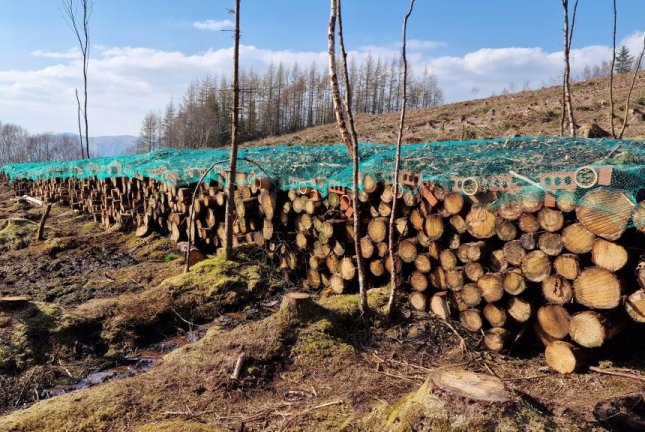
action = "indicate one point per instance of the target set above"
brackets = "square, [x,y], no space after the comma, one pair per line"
[147,51]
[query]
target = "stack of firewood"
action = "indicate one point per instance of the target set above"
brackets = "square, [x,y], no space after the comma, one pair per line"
[560,264]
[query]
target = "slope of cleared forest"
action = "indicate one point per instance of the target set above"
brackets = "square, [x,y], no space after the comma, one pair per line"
[530,113]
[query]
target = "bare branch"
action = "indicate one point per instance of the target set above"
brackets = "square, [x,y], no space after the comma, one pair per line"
[568,105]
[611,74]
[228,218]
[397,166]
[347,103]
[631,89]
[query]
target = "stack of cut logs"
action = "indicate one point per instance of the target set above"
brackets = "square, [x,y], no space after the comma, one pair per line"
[559,264]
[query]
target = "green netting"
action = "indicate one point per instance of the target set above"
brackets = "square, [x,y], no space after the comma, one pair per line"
[486,163]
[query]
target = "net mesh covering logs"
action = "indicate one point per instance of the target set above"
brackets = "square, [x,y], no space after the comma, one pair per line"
[549,164]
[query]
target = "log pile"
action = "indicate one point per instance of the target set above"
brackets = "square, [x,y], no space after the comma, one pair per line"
[559,264]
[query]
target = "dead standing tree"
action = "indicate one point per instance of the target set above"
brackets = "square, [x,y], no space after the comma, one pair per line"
[232,170]
[631,89]
[394,276]
[611,74]
[567,104]
[344,117]
[77,14]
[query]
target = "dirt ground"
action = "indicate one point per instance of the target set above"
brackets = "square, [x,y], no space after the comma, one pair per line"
[98,299]
[531,113]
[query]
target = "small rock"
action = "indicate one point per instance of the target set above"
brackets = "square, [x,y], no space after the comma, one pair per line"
[592,130]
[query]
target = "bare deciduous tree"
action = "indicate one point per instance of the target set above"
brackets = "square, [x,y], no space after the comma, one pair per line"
[611,73]
[567,104]
[345,118]
[228,219]
[394,274]
[77,13]
[631,89]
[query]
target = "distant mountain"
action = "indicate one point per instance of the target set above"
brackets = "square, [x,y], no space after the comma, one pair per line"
[109,145]
[113,145]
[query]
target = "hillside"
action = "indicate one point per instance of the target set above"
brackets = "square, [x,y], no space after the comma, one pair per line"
[527,113]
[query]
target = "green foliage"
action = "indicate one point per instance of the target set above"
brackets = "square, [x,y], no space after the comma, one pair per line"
[624,60]
[171,257]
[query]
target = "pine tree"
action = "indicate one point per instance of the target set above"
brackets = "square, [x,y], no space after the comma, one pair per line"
[624,60]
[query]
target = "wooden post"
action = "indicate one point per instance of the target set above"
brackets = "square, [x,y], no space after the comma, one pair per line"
[41,226]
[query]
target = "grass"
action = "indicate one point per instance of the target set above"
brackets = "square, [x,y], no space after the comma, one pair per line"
[171,257]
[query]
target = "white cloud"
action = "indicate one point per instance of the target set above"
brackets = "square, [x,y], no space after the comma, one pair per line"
[127,82]
[72,53]
[213,25]
[418,44]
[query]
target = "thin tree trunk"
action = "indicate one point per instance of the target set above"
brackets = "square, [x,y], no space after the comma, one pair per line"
[631,89]
[80,130]
[191,218]
[394,276]
[362,289]
[350,137]
[232,171]
[333,79]
[611,74]
[565,83]
[567,70]
[86,59]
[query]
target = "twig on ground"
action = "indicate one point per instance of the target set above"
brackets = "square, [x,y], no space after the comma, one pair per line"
[414,366]
[22,220]
[191,324]
[412,378]
[525,378]
[617,373]
[462,342]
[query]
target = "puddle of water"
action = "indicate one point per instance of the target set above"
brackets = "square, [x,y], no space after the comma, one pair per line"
[144,359]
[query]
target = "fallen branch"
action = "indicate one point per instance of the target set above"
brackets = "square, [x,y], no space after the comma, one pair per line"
[31,200]
[238,366]
[617,373]
[21,220]
[308,410]
[462,342]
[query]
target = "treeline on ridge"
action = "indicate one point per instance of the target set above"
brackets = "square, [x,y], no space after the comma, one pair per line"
[280,100]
